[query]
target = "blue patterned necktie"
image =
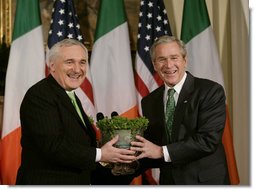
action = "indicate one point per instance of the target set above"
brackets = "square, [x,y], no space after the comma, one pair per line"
[170,109]
[74,102]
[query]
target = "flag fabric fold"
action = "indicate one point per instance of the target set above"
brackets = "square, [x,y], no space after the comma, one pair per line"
[65,24]
[26,66]
[153,23]
[203,61]
[111,64]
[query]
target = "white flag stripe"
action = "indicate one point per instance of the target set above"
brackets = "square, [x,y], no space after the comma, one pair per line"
[22,63]
[115,72]
[209,64]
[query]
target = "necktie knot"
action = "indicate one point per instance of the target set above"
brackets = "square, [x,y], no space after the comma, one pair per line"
[171,92]
[72,96]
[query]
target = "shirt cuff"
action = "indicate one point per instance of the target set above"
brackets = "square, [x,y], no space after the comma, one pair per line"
[98,155]
[166,154]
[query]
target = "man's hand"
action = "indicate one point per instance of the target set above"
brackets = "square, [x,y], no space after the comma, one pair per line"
[109,153]
[147,148]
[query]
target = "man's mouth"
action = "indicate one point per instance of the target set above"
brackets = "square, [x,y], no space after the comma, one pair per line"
[170,72]
[75,76]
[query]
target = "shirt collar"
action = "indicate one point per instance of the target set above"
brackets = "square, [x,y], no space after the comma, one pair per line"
[178,86]
[69,91]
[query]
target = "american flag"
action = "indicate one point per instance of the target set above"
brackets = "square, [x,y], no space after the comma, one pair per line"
[153,23]
[64,24]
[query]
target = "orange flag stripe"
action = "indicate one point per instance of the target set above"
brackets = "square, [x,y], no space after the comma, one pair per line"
[227,141]
[133,113]
[10,157]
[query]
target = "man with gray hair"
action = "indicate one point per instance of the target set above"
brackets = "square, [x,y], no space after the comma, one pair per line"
[57,138]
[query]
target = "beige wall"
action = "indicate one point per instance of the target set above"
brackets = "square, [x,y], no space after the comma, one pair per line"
[230,21]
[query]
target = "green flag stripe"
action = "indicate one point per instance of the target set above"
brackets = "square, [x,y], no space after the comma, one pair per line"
[111,15]
[195,19]
[27,17]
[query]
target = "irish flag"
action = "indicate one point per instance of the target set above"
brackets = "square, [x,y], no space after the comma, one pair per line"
[111,64]
[203,61]
[26,66]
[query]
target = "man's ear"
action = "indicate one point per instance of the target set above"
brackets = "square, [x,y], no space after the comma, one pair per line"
[186,61]
[51,66]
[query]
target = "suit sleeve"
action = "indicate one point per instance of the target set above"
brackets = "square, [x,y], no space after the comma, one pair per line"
[46,131]
[202,127]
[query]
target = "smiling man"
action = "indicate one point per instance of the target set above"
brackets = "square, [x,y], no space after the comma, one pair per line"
[68,65]
[57,138]
[186,122]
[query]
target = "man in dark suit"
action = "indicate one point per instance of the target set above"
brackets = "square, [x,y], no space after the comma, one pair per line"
[189,150]
[58,144]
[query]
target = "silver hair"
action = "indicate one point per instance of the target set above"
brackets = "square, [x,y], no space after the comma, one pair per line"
[167,39]
[55,49]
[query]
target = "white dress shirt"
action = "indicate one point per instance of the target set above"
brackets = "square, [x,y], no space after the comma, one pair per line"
[178,88]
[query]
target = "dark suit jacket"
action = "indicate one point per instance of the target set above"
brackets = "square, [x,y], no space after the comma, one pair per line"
[196,149]
[56,146]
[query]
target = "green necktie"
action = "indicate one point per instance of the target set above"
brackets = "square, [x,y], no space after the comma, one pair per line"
[170,108]
[74,102]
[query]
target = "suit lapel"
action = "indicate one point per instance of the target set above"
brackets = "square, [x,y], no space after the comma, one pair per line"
[61,94]
[66,102]
[158,115]
[88,126]
[182,103]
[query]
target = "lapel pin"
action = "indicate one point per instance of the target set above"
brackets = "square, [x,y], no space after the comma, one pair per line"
[185,101]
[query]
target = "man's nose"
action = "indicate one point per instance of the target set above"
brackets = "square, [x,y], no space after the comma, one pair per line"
[76,67]
[169,61]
